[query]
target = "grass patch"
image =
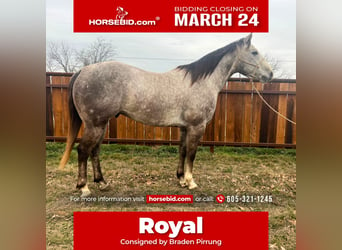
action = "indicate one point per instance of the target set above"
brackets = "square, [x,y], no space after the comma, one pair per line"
[135,171]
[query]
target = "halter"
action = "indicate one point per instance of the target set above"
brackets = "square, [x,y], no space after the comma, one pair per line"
[238,59]
[256,66]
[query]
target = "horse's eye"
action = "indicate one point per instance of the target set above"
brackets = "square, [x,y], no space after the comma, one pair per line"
[255,53]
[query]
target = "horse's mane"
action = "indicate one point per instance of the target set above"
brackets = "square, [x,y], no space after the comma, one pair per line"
[206,65]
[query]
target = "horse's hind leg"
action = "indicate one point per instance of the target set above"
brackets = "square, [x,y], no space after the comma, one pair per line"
[193,136]
[92,135]
[182,156]
[95,158]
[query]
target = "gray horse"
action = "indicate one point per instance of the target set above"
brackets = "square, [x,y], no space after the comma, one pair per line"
[184,97]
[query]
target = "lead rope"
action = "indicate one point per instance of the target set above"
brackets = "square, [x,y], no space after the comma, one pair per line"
[257,91]
[268,105]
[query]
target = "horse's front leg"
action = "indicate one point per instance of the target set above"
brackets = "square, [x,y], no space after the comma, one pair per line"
[182,155]
[193,136]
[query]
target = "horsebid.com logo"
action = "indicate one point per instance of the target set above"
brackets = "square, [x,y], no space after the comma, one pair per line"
[120,20]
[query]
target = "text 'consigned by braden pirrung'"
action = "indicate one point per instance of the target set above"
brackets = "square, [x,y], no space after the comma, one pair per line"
[172,229]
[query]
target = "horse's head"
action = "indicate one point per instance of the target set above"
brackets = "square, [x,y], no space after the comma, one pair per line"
[251,63]
[121,10]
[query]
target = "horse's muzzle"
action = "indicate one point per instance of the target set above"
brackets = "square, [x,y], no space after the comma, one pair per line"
[267,78]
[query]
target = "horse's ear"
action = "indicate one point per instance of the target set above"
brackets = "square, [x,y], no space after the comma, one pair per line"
[247,40]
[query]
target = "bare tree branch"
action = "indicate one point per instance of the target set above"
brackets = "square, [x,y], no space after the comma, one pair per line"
[99,51]
[275,64]
[50,64]
[61,55]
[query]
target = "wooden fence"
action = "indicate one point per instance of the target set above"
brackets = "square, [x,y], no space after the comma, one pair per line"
[241,118]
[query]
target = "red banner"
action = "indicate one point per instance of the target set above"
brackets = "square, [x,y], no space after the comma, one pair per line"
[170,16]
[171,230]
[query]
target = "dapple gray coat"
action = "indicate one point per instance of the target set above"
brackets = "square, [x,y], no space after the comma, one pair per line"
[184,97]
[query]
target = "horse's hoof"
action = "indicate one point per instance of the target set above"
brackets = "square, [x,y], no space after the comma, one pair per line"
[103,186]
[85,194]
[192,185]
[85,191]
[182,182]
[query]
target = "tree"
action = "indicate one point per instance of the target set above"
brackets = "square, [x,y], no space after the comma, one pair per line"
[278,71]
[50,64]
[99,51]
[60,55]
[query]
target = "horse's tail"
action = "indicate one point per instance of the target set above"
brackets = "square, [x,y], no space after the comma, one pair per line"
[75,123]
